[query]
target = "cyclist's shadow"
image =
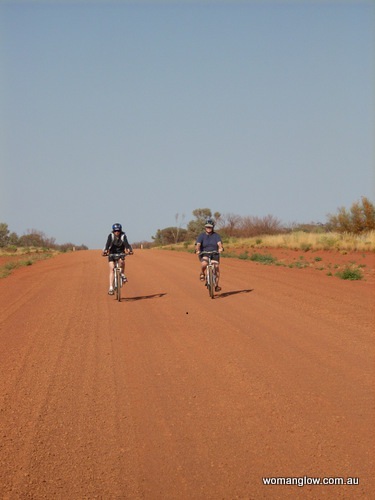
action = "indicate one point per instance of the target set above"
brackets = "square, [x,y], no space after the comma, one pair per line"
[234,292]
[143,297]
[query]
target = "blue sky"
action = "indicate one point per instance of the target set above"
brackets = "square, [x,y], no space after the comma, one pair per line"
[132,112]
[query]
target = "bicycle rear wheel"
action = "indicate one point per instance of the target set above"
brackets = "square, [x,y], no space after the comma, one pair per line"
[211,283]
[118,285]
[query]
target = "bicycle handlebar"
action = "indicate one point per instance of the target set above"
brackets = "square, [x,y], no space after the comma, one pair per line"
[117,256]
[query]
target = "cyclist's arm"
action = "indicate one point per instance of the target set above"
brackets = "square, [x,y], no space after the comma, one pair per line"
[127,245]
[220,246]
[198,244]
[108,244]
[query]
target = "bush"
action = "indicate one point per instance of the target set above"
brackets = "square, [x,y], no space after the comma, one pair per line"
[350,273]
[359,218]
[244,256]
[328,242]
[4,234]
[263,259]
[10,249]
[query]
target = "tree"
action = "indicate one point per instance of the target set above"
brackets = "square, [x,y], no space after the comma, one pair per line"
[33,238]
[196,225]
[167,236]
[249,226]
[229,224]
[177,229]
[359,218]
[13,239]
[4,234]
[368,209]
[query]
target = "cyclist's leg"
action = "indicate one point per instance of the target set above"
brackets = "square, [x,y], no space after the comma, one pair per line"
[111,267]
[204,262]
[122,265]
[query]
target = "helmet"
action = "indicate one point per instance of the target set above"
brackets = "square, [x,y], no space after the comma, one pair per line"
[117,227]
[209,223]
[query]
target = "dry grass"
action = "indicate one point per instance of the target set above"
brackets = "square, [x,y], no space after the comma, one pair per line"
[309,241]
[13,258]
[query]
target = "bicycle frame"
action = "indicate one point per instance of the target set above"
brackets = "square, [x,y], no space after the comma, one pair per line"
[210,273]
[117,279]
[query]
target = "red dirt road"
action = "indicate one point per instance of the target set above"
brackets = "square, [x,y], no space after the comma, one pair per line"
[172,395]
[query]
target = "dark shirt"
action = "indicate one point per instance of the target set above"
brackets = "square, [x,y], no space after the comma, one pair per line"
[117,244]
[209,242]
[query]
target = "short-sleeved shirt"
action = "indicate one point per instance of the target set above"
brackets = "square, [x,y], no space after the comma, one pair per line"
[209,241]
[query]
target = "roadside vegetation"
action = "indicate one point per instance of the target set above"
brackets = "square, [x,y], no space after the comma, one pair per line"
[352,227]
[25,257]
[351,273]
[254,238]
[20,251]
[309,241]
[33,238]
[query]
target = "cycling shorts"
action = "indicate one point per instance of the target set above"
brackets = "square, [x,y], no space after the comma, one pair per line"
[111,258]
[215,257]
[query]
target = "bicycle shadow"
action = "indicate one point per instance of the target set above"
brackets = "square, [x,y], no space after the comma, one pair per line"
[143,297]
[234,292]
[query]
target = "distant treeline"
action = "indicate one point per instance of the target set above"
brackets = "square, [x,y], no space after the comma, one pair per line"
[33,238]
[359,218]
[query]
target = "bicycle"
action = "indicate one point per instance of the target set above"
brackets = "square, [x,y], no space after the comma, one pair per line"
[210,274]
[117,278]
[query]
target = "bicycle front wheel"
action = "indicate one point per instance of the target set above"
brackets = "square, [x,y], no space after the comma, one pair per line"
[211,282]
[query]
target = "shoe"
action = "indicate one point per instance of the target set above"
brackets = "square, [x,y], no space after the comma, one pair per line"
[111,291]
[124,278]
[217,288]
[201,277]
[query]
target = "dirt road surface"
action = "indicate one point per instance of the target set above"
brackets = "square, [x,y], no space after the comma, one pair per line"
[172,395]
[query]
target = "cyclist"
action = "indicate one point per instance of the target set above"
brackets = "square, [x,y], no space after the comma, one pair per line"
[117,242]
[209,241]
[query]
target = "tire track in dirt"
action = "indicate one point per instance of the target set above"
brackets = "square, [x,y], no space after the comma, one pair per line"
[63,386]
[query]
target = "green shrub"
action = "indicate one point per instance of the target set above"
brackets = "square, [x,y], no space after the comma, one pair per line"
[299,264]
[244,255]
[10,265]
[350,273]
[263,259]
[11,249]
[229,255]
